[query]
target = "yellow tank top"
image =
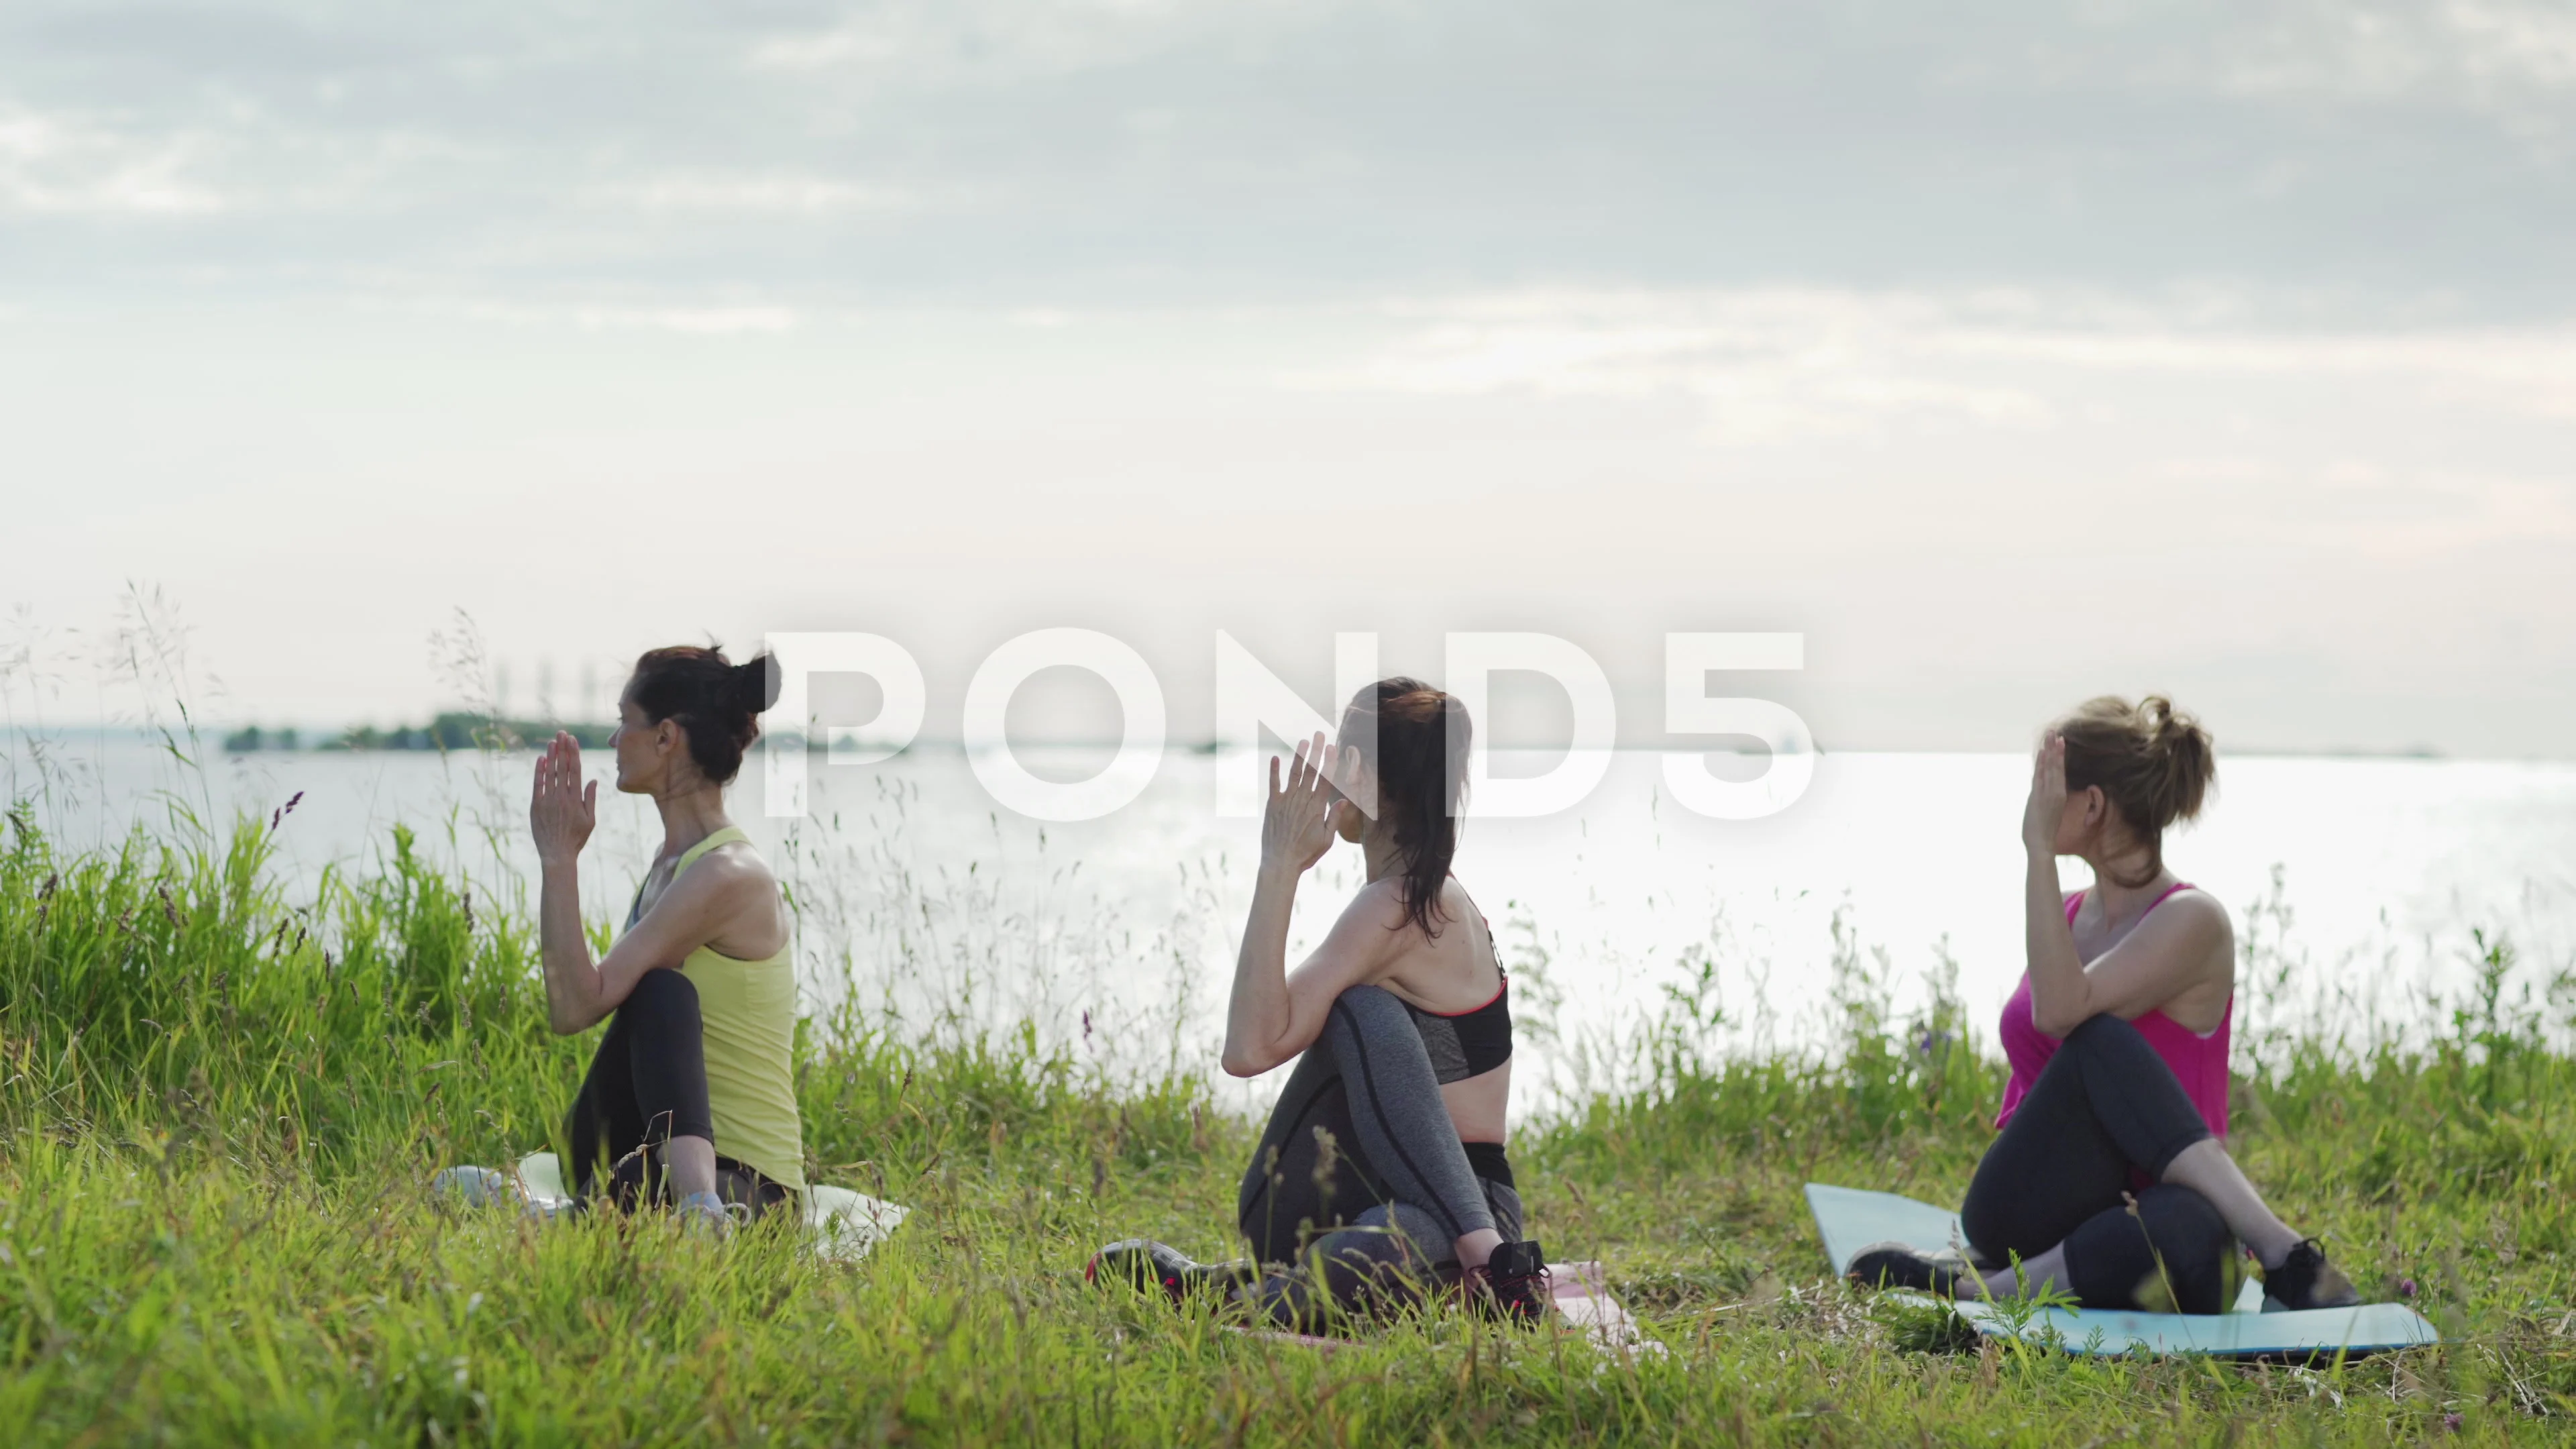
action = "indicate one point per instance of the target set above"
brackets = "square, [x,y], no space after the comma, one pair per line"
[749,1012]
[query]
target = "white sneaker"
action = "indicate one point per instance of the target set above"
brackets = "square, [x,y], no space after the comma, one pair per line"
[705,1214]
[482,1187]
[476,1187]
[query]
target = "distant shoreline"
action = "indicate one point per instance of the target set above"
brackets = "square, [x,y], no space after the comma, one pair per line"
[445,732]
[454,730]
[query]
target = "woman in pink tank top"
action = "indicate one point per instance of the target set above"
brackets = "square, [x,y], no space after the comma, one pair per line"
[2111,1179]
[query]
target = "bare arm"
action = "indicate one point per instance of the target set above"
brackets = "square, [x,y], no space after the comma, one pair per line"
[2164,956]
[580,994]
[693,912]
[2059,992]
[561,812]
[1273,1013]
[572,982]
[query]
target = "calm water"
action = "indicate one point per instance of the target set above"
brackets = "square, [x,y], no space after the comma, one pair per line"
[1119,933]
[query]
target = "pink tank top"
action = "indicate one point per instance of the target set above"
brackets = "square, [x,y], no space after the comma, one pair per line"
[2198,1062]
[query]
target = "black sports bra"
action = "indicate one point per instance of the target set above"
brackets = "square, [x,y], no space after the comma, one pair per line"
[1468,1043]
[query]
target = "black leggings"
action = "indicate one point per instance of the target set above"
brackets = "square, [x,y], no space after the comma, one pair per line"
[648,1084]
[1360,1172]
[2105,1107]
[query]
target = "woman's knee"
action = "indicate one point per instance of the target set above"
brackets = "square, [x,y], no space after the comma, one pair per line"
[663,992]
[1367,1019]
[2181,1222]
[2168,1252]
[2105,1033]
[2001,1223]
[1371,1005]
[1382,1258]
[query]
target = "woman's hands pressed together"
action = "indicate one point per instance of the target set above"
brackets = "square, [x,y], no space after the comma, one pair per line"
[1298,825]
[561,809]
[2047,807]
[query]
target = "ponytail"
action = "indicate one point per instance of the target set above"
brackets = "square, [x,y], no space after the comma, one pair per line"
[1418,750]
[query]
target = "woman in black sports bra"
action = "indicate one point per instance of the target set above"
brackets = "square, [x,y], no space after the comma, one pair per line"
[1464,1046]
[1382,1167]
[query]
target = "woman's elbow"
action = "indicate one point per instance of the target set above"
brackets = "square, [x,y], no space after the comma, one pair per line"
[1243,1062]
[2057,1024]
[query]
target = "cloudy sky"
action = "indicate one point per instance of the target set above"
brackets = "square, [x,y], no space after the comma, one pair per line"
[2011,352]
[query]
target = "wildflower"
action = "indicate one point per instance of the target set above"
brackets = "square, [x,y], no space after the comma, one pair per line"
[2405,1287]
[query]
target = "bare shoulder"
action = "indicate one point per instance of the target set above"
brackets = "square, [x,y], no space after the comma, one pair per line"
[2195,928]
[732,873]
[2202,934]
[2203,913]
[2189,920]
[1455,902]
[1379,905]
[1369,933]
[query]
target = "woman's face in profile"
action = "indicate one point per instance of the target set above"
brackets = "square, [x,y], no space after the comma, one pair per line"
[633,744]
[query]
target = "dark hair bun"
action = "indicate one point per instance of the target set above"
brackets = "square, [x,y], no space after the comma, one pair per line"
[2177,743]
[756,683]
[714,700]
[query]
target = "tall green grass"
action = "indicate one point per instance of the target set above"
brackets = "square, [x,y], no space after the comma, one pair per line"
[218,1106]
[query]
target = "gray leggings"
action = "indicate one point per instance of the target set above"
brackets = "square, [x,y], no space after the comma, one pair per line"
[1360,1173]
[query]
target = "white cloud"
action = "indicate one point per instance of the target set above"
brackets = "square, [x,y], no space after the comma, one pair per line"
[710,321]
[2371,509]
[1770,364]
[2530,371]
[948,39]
[2508,58]
[773,193]
[706,320]
[67,165]
[1773,364]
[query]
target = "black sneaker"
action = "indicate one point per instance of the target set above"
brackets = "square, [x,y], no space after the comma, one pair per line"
[1150,1265]
[1514,1284]
[2306,1280]
[1901,1265]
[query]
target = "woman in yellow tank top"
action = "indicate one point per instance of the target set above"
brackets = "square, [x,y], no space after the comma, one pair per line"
[691,1096]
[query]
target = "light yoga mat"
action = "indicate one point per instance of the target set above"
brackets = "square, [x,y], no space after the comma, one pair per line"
[840,1225]
[1849,1220]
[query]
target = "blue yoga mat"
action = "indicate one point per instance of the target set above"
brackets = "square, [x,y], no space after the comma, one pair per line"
[1849,1219]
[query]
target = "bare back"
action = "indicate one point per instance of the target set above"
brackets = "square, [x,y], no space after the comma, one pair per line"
[1451,974]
